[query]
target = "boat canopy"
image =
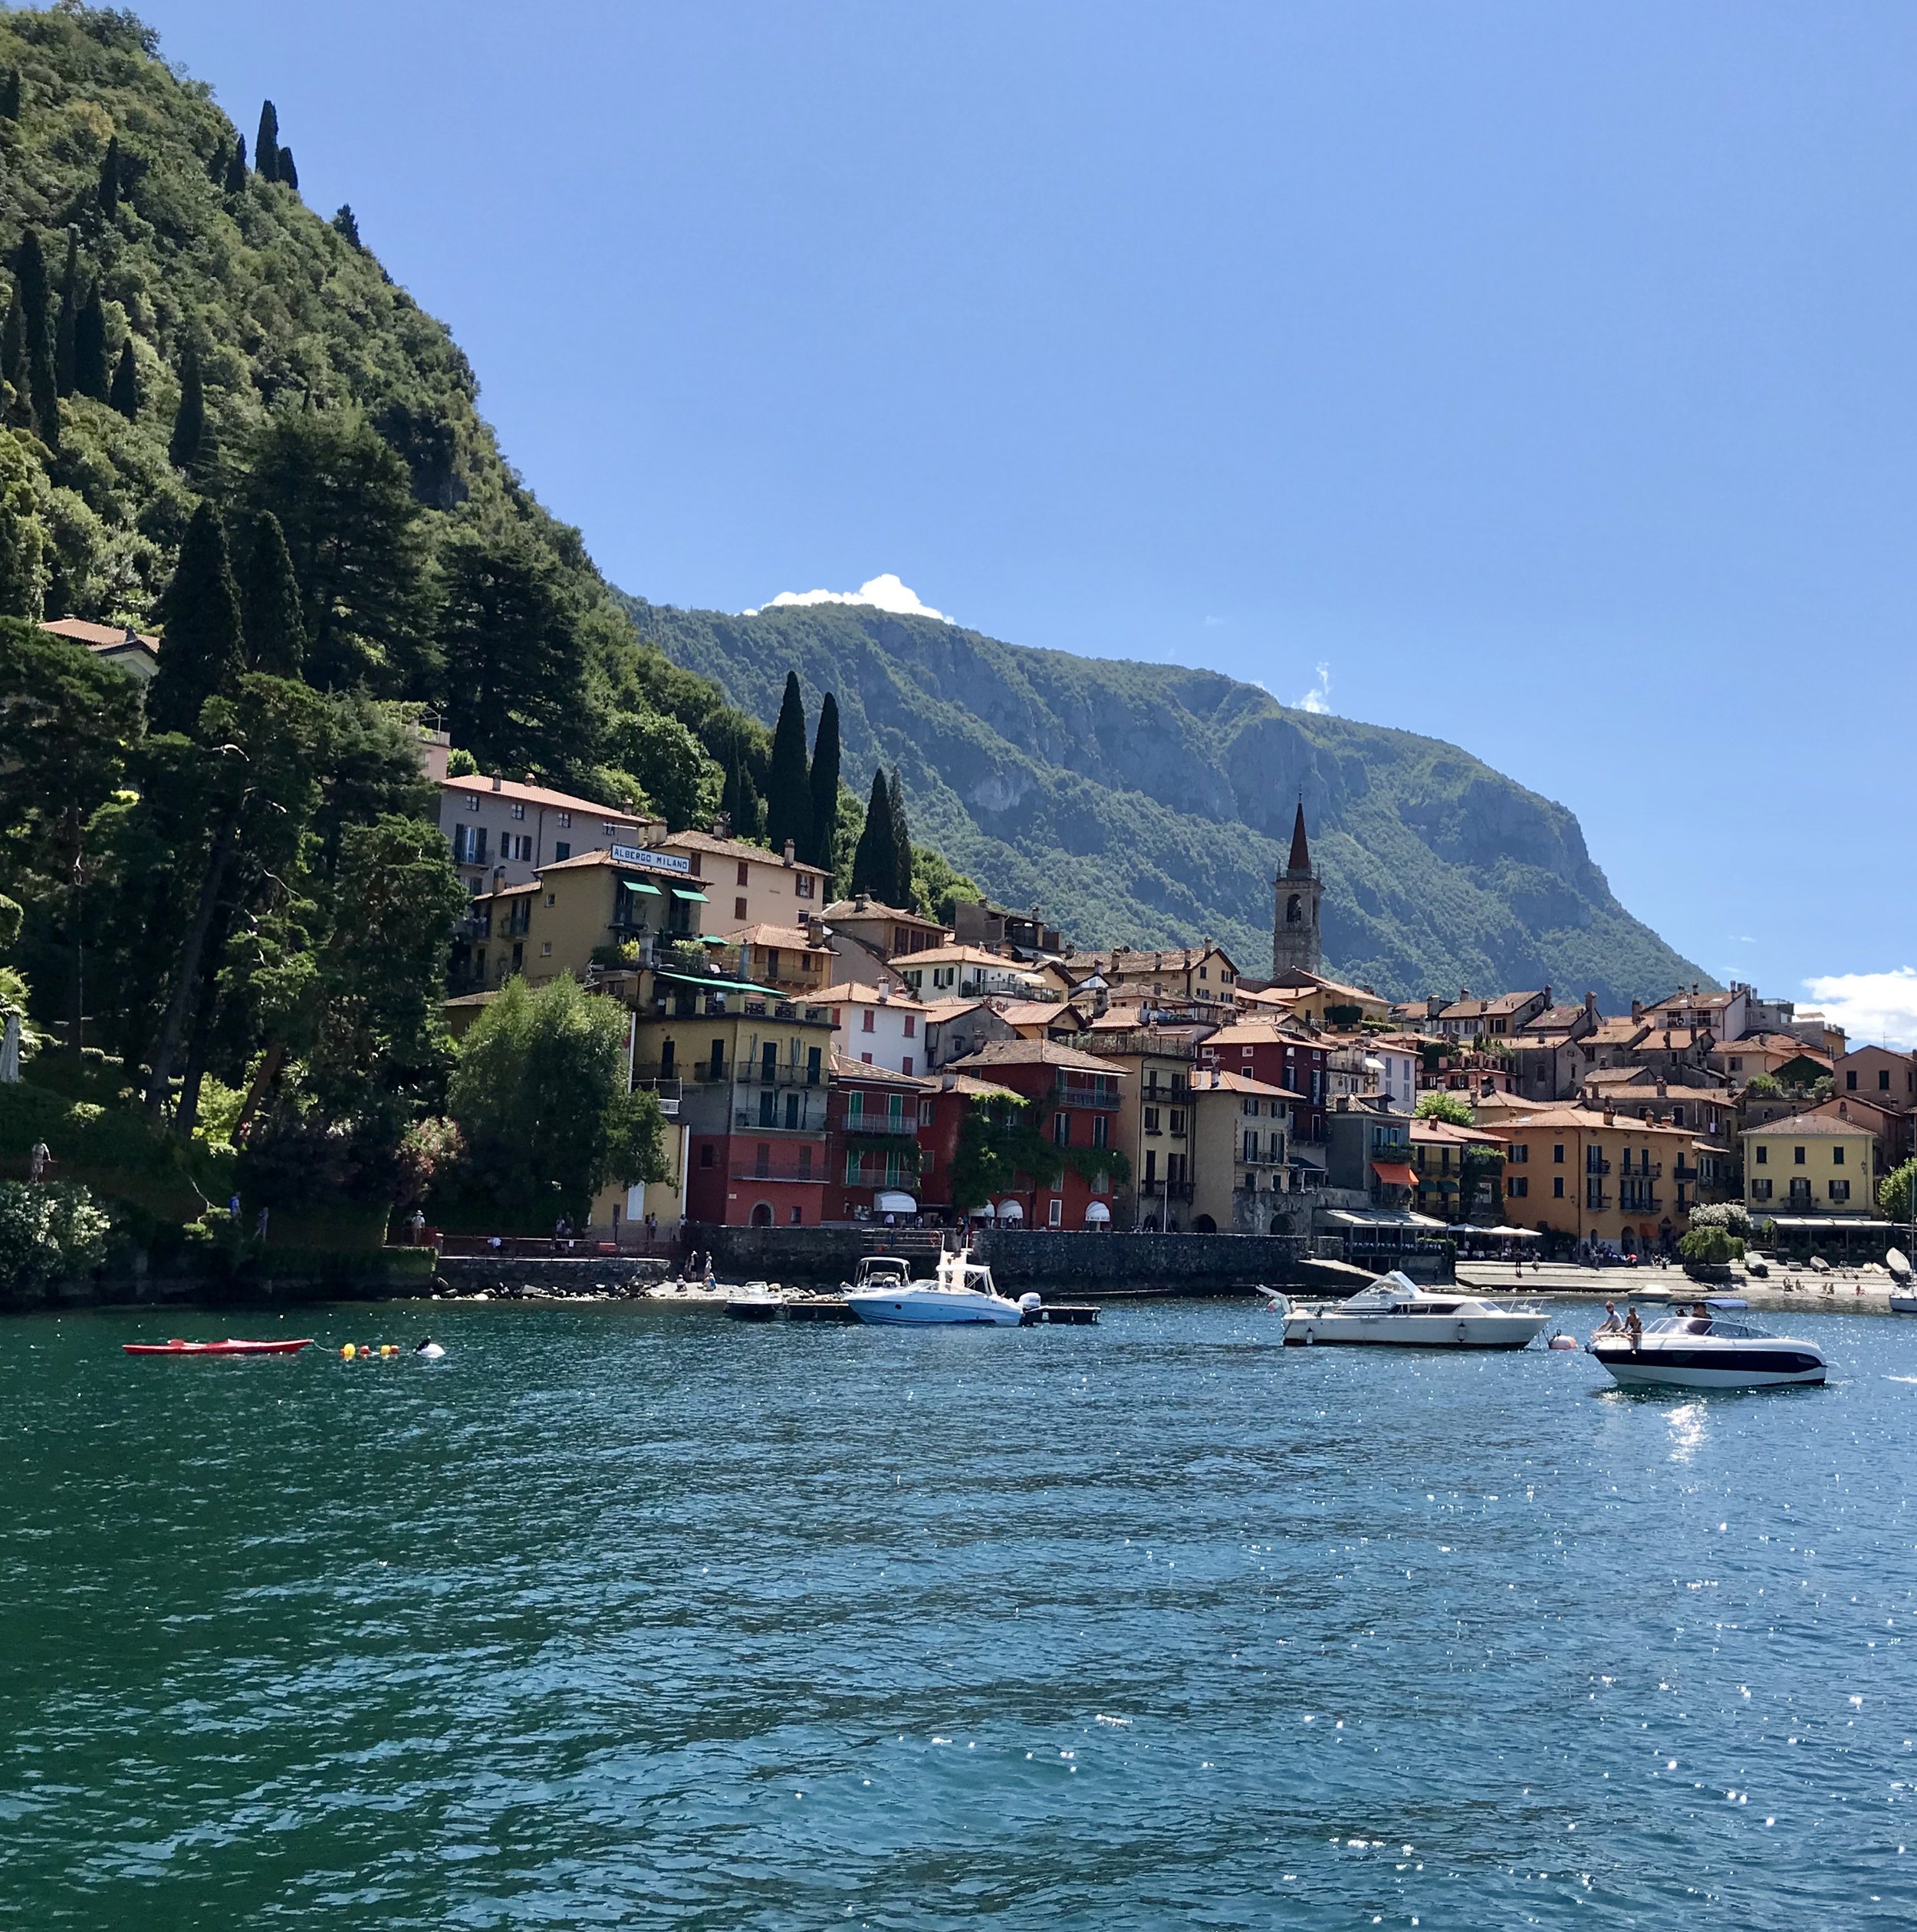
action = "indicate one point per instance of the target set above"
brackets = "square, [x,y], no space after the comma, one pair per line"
[894,1203]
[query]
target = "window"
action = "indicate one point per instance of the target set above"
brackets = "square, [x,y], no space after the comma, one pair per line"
[1251,1145]
[1850,1079]
[1763,1155]
[1840,1190]
[1557,1187]
[1557,1155]
[1883,1080]
[1520,1151]
[911,1026]
[738,909]
[1760,1190]
[1799,1191]
[802,883]
[869,1023]
[1151,1120]
[805,1163]
[926,1111]
[851,1167]
[1837,1155]
[610,829]
[705,1155]
[814,1066]
[550,899]
[797,1217]
[904,1065]
[519,811]
[565,821]
[1178,1119]
[745,876]
[1061,1129]
[1798,1160]
[563,849]
[1055,1213]
[1519,1186]
[865,1059]
[1101,1131]
[718,1059]
[545,951]
[1594,1193]
[472,801]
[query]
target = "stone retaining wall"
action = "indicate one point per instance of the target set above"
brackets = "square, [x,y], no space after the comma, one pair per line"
[467,1274]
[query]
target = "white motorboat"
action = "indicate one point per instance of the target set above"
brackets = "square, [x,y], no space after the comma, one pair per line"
[1395,1311]
[756,1301]
[1700,1351]
[1903,1289]
[961,1292]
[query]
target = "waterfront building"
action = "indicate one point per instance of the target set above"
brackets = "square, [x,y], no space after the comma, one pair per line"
[1368,1152]
[874,1119]
[1240,1154]
[1281,1053]
[1810,1163]
[873,1028]
[1153,1123]
[942,1114]
[1599,1179]
[1460,1172]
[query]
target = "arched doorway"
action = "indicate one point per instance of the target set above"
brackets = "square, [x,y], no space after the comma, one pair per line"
[1205,1225]
[761,1214]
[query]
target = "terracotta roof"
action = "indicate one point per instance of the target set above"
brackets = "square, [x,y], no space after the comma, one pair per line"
[541,795]
[962,955]
[1023,1053]
[1508,1002]
[1215,1080]
[1445,1132]
[849,993]
[1587,1117]
[1039,1012]
[1673,1039]
[1552,1020]
[1797,1125]
[1256,1032]
[940,1011]
[734,848]
[845,1067]
[963,1083]
[1135,962]
[1617,1032]
[844,908]
[99,636]
[790,938]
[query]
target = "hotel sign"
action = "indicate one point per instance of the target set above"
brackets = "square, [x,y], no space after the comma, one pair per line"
[660,861]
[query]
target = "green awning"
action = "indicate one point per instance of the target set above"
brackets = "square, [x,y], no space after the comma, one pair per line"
[689,892]
[711,939]
[724,986]
[639,885]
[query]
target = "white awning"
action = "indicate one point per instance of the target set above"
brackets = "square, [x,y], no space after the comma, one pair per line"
[895,1204]
[1010,1211]
[1098,1211]
[1379,1218]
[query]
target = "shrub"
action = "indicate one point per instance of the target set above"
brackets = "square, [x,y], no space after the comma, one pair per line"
[46,1233]
[1711,1246]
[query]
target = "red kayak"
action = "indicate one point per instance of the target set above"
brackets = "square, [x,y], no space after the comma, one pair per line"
[228,1348]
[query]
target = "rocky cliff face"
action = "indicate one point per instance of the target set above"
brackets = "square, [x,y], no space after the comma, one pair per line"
[1149,803]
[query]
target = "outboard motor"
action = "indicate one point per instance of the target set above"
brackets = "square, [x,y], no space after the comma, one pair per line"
[1028,1307]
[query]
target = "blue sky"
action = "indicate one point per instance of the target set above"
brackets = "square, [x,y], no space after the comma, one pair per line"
[1544,374]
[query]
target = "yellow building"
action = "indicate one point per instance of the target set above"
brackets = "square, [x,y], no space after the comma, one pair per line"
[788,957]
[1153,1127]
[1241,1143]
[1310,996]
[746,885]
[1810,1164]
[1600,1179]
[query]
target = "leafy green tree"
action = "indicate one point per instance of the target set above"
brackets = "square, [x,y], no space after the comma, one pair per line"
[344,502]
[13,366]
[1710,1246]
[875,864]
[540,1094]
[1894,1193]
[63,333]
[824,789]
[266,144]
[347,223]
[788,793]
[670,765]
[108,194]
[937,886]
[1438,1105]
[217,162]
[23,560]
[90,377]
[187,445]
[201,650]
[236,166]
[514,661]
[901,895]
[30,283]
[48,1233]
[124,396]
[271,624]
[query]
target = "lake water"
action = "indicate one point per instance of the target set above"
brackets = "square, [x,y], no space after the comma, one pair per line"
[625,1615]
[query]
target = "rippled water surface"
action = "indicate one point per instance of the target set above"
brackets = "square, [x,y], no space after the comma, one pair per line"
[628,1615]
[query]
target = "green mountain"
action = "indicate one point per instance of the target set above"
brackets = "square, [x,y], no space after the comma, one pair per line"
[1149,804]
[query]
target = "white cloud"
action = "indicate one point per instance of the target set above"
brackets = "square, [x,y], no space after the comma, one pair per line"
[1319,697]
[1881,1007]
[884,593]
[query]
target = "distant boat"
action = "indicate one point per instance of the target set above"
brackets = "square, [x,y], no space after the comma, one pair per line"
[1903,1289]
[1395,1311]
[961,1293]
[230,1347]
[757,1302]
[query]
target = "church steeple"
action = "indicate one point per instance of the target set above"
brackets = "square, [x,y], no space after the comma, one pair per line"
[1295,941]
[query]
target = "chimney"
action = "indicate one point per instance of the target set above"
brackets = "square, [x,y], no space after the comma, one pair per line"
[1464,993]
[791,852]
[1547,996]
[1610,1118]
[1663,1091]
[495,782]
[1590,1004]
[1637,1009]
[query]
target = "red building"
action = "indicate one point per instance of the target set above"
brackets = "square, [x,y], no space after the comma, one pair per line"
[942,1115]
[1074,1098]
[1268,1050]
[873,1128]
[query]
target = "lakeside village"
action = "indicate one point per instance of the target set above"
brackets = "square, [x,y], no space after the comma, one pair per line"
[817,1061]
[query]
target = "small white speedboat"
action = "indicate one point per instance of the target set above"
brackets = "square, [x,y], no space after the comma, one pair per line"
[1697,1351]
[961,1292]
[1903,1289]
[756,1301]
[1395,1311]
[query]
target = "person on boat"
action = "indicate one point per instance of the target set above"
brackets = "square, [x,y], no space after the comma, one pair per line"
[1634,1325]
[1612,1324]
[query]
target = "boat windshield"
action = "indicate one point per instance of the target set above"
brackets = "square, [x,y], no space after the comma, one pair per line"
[1697,1324]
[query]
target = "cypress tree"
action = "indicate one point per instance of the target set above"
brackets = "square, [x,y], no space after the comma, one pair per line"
[347,223]
[69,310]
[270,620]
[9,94]
[108,193]
[236,166]
[876,860]
[30,280]
[266,144]
[189,421]
[289,175]
[217,164]
[739,797]
[788,793]
[200,650]
[13,364]
[901,842]
[124,396]
[90,347]
[825,785]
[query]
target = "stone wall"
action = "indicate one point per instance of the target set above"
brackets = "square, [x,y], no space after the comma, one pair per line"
[467,1274]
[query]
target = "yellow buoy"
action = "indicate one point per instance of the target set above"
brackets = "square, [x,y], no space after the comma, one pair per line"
[346,1354]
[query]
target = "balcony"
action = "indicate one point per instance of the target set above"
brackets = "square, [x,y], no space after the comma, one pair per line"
[774,1177]
[1083,1097]
[879,1124]
[1683,1170]
[666,1088]
[1597,1201]
[1596,1167]
[1645,1170]
[1171,1190]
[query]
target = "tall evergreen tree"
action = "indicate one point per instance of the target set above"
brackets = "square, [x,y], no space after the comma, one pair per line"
[9,94]
[217,162]
[201,650]
[188,442]
[788,792]
[13,364]
[110,188]
[875,864]
[347,223]
[739,798]
[30,274]
[236,166]
[266,144]
[270,620]
[69,311]
[90,377]
[825,785]
[124,395]
[901,842]
[289,175]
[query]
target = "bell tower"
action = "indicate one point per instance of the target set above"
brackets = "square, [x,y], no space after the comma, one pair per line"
[1295,941]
